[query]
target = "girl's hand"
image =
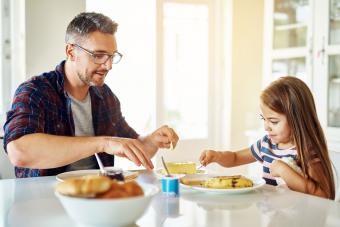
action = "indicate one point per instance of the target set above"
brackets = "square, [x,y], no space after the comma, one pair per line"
[209,156]
[277,167]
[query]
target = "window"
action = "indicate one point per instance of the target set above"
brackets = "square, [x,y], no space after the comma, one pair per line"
[12,50]
[133,79]
[166,75]
[5,59]
[186,65]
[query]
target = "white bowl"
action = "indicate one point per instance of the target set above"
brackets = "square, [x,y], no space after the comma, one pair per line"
[108,212]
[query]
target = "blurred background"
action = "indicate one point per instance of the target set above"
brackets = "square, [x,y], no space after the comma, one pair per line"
[196,65]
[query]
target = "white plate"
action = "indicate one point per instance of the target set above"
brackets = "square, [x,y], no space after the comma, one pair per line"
[159,173]
[128,175]
[258,183]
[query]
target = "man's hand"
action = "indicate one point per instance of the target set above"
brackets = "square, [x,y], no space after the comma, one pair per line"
[141,150]
[161,138]
[132,149]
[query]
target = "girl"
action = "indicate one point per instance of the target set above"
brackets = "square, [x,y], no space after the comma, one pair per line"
[293,130]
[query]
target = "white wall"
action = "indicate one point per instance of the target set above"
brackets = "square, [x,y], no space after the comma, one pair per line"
[247,45]
[46,22]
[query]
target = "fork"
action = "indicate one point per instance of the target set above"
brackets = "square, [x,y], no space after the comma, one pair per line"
[101,166]
[200,166]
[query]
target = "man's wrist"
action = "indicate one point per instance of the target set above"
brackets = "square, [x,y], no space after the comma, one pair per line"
[148,141]
[102,144]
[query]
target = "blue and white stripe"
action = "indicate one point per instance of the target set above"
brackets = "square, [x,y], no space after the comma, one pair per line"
[266,152]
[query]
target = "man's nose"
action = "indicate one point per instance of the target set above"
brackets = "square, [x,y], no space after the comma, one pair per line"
[108,64]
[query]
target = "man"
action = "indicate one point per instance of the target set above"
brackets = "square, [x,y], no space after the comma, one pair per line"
[60,119]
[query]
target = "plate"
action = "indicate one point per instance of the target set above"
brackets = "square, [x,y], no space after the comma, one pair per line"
[223,201]
[159,173]
[258,183]
[128,175]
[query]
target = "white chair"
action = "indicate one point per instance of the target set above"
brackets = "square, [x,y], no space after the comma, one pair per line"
[335,158]
[6,167]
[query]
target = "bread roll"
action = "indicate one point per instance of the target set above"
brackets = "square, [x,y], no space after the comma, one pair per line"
[87,186]
[121,190]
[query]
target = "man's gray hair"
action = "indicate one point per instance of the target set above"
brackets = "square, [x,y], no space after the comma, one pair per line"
[88,22]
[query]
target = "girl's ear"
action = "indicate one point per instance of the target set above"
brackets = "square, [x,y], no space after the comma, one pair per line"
[69,50]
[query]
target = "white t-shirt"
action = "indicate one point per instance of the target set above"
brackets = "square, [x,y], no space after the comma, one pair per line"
[82,118]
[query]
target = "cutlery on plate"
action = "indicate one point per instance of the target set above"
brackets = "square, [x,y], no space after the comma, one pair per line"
[101,166]
[116,174]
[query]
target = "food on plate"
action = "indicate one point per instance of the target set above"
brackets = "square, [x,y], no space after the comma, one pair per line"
[226,182]
[218,182]
[192,182]
[114,174]
[131,176]
[94,186]
[181,168]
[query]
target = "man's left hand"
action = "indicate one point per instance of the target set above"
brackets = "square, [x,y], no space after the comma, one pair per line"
[161,138]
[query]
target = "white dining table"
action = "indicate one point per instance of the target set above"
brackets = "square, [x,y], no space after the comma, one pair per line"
[31,202]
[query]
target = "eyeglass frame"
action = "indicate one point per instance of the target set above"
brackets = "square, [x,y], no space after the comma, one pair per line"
[94,55]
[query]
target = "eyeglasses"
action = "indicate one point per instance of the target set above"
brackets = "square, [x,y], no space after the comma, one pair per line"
[101,58]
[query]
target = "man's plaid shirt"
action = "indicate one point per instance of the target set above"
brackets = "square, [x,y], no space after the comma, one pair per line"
[41,105]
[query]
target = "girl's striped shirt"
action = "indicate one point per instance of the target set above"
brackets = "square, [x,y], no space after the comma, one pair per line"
[266,152]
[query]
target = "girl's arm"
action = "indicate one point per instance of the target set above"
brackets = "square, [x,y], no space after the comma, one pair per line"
[296,181]
[227,158]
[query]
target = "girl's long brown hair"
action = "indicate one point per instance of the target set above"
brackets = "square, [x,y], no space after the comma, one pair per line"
[291,96]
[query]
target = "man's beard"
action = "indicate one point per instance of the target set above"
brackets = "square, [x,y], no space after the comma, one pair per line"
[86,79]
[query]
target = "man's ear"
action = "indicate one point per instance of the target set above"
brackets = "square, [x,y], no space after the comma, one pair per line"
[69,50]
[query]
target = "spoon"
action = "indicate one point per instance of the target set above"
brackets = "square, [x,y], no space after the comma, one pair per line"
[101,166]
[166,168]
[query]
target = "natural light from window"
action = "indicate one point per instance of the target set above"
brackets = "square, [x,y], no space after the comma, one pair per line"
[186,62]
[178,94]
[133,79]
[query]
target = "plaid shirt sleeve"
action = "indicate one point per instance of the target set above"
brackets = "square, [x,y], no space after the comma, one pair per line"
[25,116]
[107,115]
[122,128]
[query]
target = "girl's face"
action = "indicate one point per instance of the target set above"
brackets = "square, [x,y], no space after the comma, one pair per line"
[277,127]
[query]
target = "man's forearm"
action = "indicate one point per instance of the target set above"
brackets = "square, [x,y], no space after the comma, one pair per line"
[44,151]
